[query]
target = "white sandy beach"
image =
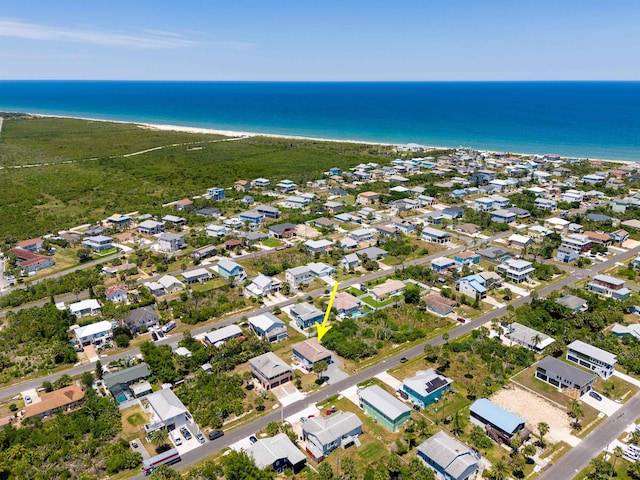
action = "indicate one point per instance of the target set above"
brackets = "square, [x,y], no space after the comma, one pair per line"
[233,133]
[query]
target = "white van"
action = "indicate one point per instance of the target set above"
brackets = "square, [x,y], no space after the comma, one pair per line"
[169,326]
[175,436]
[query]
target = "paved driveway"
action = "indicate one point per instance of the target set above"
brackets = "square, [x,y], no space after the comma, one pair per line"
[606,405]
[334,373]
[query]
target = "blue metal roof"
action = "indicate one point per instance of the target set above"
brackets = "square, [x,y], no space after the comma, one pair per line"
[496,415]
[477,287]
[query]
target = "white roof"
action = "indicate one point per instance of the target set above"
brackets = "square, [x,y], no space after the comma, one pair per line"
[265,321]
[318,243]
[168,280]
[267,450]
[166,404]
[93,329]
[223,334]
[90,304]
[593,352]
[519,238]
[198,272]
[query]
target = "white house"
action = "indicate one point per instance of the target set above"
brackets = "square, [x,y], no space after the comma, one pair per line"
[84,308]
[298,276]
[98,333]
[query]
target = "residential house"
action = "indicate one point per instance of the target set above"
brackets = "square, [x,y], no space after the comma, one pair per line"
[434,218]
[141,319]
[298,276]
[209,212]
[85,308]
[63,399]
[435,236]
[213,230]
[295,202]
[362,235]
[390,288]
[252,217]
[426,387]
[278,453]
[609,286]
[310,352]
[30,261]
[320,269]
[368,198]
[482,177]
[263,285]
[347,218]
[167,411]
[324,222]
[319,246]
[184,204]
[260,183]
[601,362]
[165,285]
[270,371]
[349,261]
[325,434]
[528,337]
[519,241]
[346,304]
[98,334]
[517,271]
[198,275]
[282,230]
[116,294]
[286,186]
[333,207]
[169,242]
[573,303]
[119,383]
[564,376]
[372,253]
[619,236]
[558,225]
[571,196]
[33,245]
[230,269]
[174,220]
[466,258]
[499,423]
[306,315]
[221,335]
[442,263]
[503,216]
[467,228]
[204,252]
[268,212]
[598,238]
[546,204]
[449,458]
[453,213]
[566,256]
[150,227]
[269,327]
[438,304]
[384,408]
[99,243]
[472,286]
[576,242]
[242,186]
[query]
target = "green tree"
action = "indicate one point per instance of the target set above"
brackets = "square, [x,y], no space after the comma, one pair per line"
[412,294]
[164,472]
[325,472]
[320,367]
[159,437]
[457,423]
[86,379]
[273,428]
[576,412]
[84,255]
[98,370]
[348,469]
[500,470]
[543,429]
[529,450]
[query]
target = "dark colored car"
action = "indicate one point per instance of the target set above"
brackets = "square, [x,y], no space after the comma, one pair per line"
[253,439]
[185,433]
[595,395]
[154,336]
[215,434]
[404,360]
[461,320]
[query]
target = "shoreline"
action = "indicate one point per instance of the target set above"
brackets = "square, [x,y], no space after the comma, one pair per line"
[235,134]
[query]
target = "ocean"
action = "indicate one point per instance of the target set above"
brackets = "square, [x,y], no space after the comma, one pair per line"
[582,119]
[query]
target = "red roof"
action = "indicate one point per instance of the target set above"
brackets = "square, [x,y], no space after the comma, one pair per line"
[184,201]
[114,290]
[27,257]
[28,243]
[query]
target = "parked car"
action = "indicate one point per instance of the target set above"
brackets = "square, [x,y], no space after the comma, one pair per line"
[154,336]
[200,437]
[303,419]
[253,439]
[404,360]
[185,433]
[215,434]
[461,320]
[595,395]
[27,400]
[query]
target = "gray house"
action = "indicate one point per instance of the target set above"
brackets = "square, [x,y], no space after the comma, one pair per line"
[325,434]
[277,452]
[141,318]
[449,458]
[562,375]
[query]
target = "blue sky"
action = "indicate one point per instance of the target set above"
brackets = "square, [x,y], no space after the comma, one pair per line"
[320,40]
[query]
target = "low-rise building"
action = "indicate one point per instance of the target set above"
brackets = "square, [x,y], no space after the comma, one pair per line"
[63,399]
[30,261]
[310,352]
[564,376]
[517,271]
[449,458]
[297,276]
[368,198]
[230,269]
[98,243]
[263,285]
[306,315]
[426,387]
[169,242]
[503,216]
[221,335]
[150,227]
[500,424]
[435,236]
[609,286]
[278,453]
[473,286]
[268,327]
[573,303]
[167,411]
[98,334]
[390,288]
[269,370]
[116,294]
[119,383]
[85,308]
[325,434]
[198,275]
[595,359]
[384,408]
[141,319]
[528,337]
[438,304]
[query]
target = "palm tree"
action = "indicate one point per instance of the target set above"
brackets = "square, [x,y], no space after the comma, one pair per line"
[500,469]
[617,453]
[529,450]
[159,437]
[535,340]
[543,429]
[576,411]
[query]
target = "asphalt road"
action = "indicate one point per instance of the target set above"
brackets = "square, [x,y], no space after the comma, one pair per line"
[611,428]
[593,444]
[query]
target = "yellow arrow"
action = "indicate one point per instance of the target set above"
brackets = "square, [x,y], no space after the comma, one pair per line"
[323,327]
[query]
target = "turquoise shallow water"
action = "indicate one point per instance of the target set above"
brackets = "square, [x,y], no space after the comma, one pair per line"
[586,119]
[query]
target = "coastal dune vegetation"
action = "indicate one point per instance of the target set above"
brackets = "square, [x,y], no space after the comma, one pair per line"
[58,173]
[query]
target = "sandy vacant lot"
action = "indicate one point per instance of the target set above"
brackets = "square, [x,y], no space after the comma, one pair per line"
[534,410]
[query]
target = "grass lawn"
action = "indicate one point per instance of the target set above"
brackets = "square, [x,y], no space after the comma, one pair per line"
[369,300]
[271,242]
[210,285]
[136,419]
[133,418]
[620,471]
